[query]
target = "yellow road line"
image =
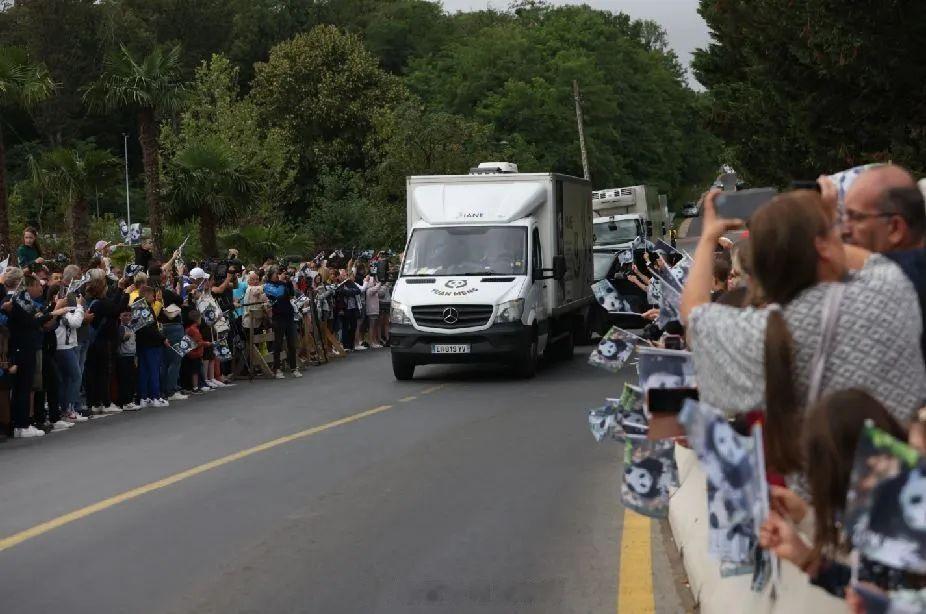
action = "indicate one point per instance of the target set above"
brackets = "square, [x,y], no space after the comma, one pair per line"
[431,389]
[407,399]
[60,521]
[635,582]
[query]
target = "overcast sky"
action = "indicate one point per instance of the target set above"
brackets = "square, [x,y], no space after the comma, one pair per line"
[685,28]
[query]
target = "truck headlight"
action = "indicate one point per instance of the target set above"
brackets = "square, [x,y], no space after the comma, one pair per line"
[398,315]
[510,311]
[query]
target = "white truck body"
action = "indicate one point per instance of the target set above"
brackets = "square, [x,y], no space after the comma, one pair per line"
[642,201]
[477,283]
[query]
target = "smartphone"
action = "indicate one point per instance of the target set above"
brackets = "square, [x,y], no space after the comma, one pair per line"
[741,205]
[803,184]
[669,400]
[672,342]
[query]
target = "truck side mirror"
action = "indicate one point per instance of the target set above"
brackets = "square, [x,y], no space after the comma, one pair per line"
[559,268]
[649,228]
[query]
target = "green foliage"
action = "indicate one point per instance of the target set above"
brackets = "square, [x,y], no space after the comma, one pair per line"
[152,81]
[257,243]
[800,88]
[325,90]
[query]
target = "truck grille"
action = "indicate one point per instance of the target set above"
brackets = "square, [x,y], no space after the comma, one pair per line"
[452,316]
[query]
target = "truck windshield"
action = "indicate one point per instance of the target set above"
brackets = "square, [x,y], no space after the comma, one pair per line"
[618,231]
[481,250]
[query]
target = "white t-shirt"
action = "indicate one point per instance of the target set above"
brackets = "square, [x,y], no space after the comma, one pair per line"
[876,346]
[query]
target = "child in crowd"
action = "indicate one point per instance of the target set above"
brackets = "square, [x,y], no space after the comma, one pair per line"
[192,365]
[125,363]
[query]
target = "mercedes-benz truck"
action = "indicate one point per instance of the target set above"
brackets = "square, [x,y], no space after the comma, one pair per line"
[497,268]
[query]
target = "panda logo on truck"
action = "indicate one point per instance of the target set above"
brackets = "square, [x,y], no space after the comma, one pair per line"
[456,283]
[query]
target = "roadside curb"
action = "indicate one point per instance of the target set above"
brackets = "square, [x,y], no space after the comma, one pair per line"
[716,595]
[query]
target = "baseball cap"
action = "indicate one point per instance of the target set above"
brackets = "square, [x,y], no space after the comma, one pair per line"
[100,245]
[199,273]
[172,311]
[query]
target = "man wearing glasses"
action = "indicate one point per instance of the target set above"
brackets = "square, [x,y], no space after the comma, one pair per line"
[885,212]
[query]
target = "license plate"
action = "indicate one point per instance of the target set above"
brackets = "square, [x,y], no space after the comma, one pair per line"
[444,348]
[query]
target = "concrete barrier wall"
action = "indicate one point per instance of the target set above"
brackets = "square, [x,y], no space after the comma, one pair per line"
[716,595]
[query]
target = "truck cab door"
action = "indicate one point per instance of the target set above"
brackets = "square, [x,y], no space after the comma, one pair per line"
[537,295]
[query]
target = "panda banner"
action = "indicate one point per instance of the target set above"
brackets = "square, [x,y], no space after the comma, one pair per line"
[141,317]
[184,346]
[610,299]
[654,291]
[602,421]
[131,234]
[222,351]
[886,502]
[632,418]
[615,349]
[736,489]
[649,476]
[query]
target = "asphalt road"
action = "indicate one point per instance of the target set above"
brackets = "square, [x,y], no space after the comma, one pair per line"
[463,491]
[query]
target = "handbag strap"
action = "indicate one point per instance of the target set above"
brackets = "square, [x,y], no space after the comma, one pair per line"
[828,323]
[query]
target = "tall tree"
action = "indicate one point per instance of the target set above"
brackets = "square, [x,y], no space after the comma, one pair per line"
[325,90]
[73,174]
[206,183]
[22,83]
[841,88]
[149,86]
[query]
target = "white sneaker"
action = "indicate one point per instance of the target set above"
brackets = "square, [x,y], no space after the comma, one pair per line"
[76,417]
[377,346]
[61,425]
[131,407]
[96,410]
[216,383]
[178,396]
[160,402]
[28,432]
[143,403]
[297,373]
[205,388]
[280,375]
[361,348]
[112,409]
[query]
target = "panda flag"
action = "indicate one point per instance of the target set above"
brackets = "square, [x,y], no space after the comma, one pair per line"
[614,349]
[737,499]
[141,315]
[649,476]
[886,502]
[609,298]
[184,346]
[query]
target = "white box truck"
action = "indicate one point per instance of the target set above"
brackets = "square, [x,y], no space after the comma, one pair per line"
[497,268]
[622,214]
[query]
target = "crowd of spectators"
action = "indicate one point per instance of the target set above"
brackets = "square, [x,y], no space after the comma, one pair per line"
[81,342]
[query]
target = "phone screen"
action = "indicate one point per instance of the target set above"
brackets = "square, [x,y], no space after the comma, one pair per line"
[741,205]
[669,400]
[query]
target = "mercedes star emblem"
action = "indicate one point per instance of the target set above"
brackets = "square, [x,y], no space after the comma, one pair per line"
[451,315]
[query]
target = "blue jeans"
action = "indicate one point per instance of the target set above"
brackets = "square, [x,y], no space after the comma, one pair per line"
[170,360]
[149,373]
[69,379]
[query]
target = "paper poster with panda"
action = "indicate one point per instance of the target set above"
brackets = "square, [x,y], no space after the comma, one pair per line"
[735,485]
[680,271]
[649,476]
[632,418]
[661,368]
[142,315]
[602,421]
[131,270]
[222,351]
[669,301]
[615,349]
[131,234]
[654,291]
[184,346]
[610,299]
[886,502]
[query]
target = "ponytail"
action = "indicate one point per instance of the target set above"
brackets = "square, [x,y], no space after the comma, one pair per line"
[783,418]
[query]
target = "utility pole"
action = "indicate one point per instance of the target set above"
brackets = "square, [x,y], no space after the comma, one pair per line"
[128,206]
[575,94]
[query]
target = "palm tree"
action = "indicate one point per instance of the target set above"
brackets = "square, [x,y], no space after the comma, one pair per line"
[73,174]
[22,83]
[148,86]
[206,182]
